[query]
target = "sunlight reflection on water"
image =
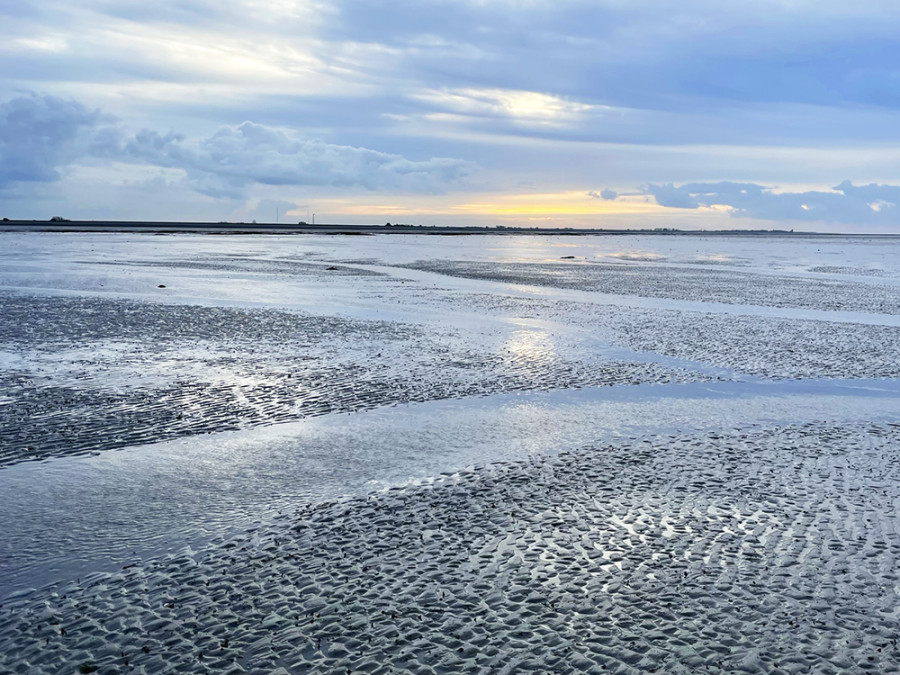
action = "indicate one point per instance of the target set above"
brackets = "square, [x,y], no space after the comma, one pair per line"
[78,514]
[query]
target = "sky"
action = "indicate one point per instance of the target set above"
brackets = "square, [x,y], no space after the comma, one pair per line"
[604,113]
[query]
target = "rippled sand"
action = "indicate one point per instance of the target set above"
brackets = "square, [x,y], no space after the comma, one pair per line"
[770,551]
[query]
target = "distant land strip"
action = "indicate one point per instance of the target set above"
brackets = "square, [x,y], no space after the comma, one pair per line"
[160,227]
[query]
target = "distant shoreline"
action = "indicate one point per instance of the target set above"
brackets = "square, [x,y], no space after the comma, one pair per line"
[158,227]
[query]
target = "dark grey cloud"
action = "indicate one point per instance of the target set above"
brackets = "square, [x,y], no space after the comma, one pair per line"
[603,52]
[745,73]
[847,204]
[237,156]
[39,135]
[871,193]
[606,194]
[643,54]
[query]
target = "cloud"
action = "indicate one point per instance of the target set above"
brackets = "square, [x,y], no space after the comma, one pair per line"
[606,194]
[621,54]
[40,135]
[237,156]
[523,106]
[847,204]
[584,70]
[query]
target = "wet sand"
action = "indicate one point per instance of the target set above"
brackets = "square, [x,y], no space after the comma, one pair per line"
[765,550]
[728,506]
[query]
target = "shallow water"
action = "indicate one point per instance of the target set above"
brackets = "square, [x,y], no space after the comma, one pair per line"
[76,515]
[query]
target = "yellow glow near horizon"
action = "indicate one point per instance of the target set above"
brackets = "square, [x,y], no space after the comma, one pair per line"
[561,203]
[556,209]
[567,203]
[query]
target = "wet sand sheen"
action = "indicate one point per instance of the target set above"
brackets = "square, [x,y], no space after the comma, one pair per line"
[724,501]
[771,550]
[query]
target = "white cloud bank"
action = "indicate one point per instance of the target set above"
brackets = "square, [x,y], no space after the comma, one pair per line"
[848,204]
[41,135]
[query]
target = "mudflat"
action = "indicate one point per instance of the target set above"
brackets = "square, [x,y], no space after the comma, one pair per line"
[382,454]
